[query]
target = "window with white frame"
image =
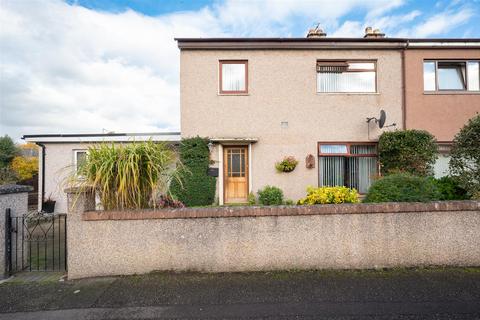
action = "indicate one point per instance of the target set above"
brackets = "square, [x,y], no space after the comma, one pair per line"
[451,75]
[353,165]
[79,158]
[346,76]
[233,76]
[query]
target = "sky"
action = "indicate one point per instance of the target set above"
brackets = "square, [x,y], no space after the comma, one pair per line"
[88,66]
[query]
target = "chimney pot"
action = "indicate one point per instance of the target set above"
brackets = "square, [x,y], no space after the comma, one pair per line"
[373,33]
[316,33]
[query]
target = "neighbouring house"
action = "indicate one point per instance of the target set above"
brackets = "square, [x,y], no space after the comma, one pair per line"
[59,154]
[442,89]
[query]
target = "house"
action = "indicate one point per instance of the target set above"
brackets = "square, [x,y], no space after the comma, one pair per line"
[262,99]
[61,153]
[442,89]
[320,100]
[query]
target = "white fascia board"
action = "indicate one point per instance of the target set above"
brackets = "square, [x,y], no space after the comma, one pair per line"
[131,138]
[444,44]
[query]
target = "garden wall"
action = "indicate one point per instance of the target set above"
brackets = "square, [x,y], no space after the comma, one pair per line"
[269,238]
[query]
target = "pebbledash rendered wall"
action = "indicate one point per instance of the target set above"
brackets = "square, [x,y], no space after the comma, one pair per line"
[270,238]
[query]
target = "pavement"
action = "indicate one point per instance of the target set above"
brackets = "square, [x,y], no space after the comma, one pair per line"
[430,293]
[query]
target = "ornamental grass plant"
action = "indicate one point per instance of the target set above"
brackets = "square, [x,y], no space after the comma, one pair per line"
[128,176]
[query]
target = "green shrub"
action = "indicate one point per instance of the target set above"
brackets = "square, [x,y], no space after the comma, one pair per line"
[465,161]
[403,187]
[252,200]
[410,151]
[127,176]
[270,195]
[326,195]
[450,189]
[196,188]
[289,202]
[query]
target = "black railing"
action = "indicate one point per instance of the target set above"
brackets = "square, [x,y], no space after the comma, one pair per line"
[38,242]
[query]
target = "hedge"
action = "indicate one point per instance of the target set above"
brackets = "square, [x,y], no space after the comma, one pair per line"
[410,151]
[196,187]
[403,187]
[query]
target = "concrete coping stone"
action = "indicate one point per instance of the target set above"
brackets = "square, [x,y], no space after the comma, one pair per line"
[14,188]
[257,211]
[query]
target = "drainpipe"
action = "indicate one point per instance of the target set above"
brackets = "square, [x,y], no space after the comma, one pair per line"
[41,145]
[404,93]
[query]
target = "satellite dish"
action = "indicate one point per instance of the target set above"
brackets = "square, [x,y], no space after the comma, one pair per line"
[381,120]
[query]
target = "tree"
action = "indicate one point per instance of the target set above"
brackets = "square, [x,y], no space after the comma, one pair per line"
[25,167]
[465,161]
[196,187]
[409,151]
[8,151]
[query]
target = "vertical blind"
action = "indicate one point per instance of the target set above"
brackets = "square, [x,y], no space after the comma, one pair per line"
[331,78]
[352,172]
[233,76]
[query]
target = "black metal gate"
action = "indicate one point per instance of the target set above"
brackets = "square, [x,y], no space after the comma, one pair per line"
[35,242]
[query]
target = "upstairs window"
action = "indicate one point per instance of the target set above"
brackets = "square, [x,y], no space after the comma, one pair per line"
[346,76]
[451,76]
[233,77]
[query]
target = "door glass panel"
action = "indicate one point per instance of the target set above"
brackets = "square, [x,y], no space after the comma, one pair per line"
[236,162]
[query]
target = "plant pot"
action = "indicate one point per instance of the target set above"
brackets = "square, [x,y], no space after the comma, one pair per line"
[48,206]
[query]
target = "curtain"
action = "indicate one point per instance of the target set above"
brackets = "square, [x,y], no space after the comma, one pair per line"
[233,77]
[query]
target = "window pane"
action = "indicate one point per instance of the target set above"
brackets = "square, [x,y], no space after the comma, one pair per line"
[429,76]
[233,77]
[81,157]
[361,171]
[451,75]
[473,75]
[346,81]
[363,149]
[331,171]
[333,149]
[361,65]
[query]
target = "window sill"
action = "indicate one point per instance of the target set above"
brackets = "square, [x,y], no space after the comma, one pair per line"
[349,93]
[428,93]
[233,94]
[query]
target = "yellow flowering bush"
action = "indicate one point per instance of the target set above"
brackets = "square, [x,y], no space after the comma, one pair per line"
[324,195]
[25,167]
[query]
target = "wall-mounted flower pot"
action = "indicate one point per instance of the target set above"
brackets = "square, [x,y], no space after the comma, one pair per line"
[48,206]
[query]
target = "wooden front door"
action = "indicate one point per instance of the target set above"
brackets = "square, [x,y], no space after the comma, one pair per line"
[235,173]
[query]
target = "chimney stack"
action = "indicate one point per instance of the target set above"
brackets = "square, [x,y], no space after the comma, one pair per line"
[373,33]
[316,33]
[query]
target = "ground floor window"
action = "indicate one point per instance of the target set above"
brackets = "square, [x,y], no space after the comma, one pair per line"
[353,165]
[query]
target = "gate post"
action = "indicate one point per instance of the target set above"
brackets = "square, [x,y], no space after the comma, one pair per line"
[15,198]
[78,201]
[8,243]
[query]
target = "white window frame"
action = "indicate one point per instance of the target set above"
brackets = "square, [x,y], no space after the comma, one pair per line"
[348,61]
[75,153]
[437,90]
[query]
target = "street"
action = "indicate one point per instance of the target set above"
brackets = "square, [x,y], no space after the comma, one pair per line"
[436,293]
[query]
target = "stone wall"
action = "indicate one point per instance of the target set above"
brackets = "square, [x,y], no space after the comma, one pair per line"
[16,198]
[271,238]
